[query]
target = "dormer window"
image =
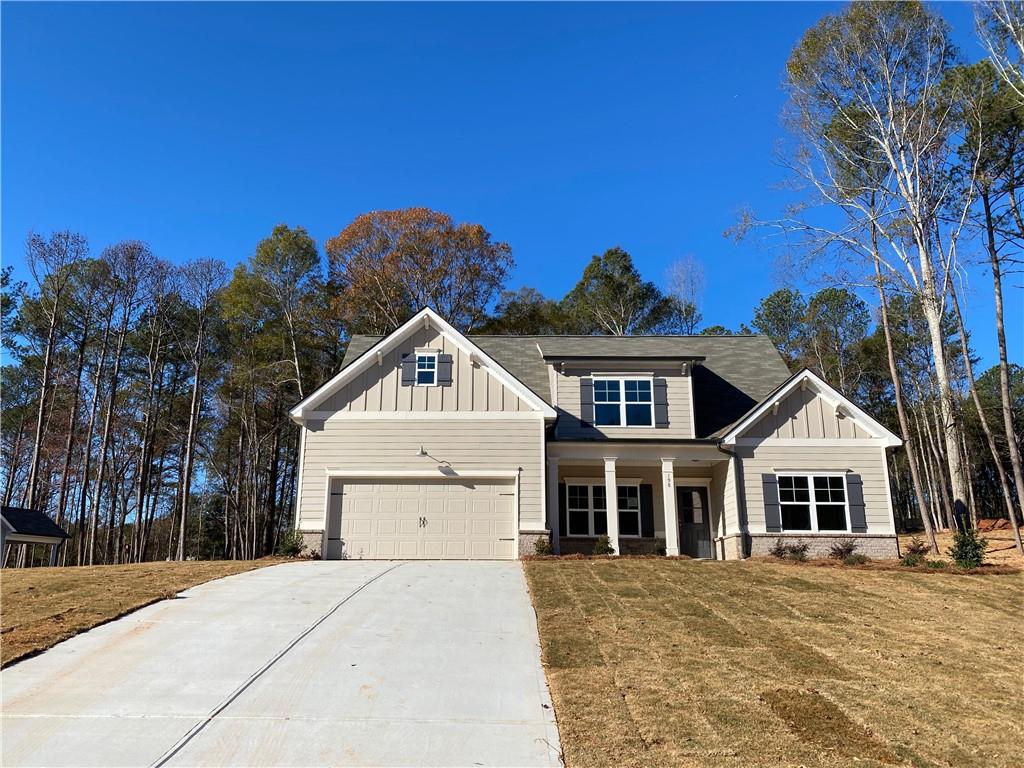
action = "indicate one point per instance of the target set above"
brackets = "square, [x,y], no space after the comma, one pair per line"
[623,402]
[426,369]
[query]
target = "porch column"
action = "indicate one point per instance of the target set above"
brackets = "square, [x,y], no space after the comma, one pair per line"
[668,489]
[553,503]
[611,492]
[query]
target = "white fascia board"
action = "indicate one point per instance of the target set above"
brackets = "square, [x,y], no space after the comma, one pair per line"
[426,317]
[824,389]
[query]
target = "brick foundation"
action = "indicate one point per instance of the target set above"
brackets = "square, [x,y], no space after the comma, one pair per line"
[584,545]
[311,543]
[876,546]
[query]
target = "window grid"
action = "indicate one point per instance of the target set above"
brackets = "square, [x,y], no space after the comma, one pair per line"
[624,402]
[588,502]
[426,370]
[823,510]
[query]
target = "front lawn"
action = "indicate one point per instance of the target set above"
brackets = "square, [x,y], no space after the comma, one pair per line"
[39,607]
[691,663]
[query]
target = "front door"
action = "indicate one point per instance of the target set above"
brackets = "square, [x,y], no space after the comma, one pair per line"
[694,521]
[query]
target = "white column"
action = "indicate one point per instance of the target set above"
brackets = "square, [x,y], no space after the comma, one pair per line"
[611,492]
[553,503]
[668,490]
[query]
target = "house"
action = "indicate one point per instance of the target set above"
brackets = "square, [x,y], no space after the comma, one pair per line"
[433,444]
[29,527]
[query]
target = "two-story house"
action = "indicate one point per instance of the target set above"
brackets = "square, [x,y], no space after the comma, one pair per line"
[433,444]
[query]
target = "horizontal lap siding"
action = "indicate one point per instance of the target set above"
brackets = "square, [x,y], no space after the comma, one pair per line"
[866,461]
[677,391]
[389,445]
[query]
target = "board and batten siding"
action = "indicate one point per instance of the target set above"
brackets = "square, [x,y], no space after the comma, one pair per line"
[391,445]
[571,426]
[379,387]
[868,461]
[805,415]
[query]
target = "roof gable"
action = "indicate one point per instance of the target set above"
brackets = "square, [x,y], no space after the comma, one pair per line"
[424,319]
[803,380]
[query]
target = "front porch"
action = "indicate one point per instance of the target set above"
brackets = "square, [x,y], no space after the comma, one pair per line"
[670,499]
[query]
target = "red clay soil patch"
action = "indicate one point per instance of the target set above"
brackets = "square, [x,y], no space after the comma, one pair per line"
[993,524]
[890,565]
[815,720]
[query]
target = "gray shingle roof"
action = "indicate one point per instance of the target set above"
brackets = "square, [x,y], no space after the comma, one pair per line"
[32,522]
[736,374]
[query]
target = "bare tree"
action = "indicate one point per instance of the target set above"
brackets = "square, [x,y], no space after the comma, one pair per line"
[685,285]
[1001,28]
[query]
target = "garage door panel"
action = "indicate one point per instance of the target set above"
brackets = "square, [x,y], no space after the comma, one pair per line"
[432,520]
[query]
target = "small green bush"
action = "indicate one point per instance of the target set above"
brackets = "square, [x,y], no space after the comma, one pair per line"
[778,549]
[603,546]
[290,544]
[937,564]
[542,547]
[841,550]
[968,550]
[918,548]
[855,559]
[910,560]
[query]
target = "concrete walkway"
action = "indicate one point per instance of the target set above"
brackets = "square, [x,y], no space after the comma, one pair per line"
[301,664]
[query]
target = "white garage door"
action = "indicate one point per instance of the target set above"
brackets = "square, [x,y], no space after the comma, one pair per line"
[435,520]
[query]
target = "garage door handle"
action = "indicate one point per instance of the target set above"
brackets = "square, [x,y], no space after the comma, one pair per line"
[506,539]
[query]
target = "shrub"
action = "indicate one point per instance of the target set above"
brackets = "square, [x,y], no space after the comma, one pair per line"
[786,551]
[841,550]
[855,559]
[659,547]
[603,546]
[937,564]
[910,560]
[542,546]
[918,548]
[968,550]
[290,544]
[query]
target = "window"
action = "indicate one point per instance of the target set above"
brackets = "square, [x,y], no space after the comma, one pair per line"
[426,369]
[619,402]
[822,510]
[587,509]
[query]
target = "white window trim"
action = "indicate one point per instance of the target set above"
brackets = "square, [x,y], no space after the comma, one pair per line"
[622,403]
[430,354]
[591,482]
[813,502]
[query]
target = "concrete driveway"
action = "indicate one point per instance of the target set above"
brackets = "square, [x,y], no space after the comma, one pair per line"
[301,664]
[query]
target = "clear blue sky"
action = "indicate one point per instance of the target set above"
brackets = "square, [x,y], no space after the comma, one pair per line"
[563,129]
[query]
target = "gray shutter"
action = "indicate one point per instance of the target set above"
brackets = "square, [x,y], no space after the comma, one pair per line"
[660,403]
[855,494]
[563,515]
[647,511]
[587,400]
[408,366]
[444,370]
[772,511]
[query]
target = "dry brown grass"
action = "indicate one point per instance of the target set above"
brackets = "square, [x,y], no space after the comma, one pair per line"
[39,607]
[690,663]
[1002,550]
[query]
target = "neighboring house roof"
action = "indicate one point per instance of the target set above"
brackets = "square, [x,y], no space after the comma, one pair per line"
[367,354]
[31,522]
[735,374]
[807,377]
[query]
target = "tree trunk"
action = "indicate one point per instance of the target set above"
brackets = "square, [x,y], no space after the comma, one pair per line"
[193,417]
[1004,371]
[105,439]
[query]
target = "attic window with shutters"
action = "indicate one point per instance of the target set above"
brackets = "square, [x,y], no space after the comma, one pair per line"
[426,369]
[813,503]
[623,402]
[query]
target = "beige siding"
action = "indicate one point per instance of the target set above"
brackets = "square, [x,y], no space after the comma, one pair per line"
[805,414]
[866,461]
[390,445]
[379,387]
[724,489]
[568,400]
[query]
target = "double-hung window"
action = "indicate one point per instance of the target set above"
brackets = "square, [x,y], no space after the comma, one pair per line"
[623,402]
[813,503]
[587,509]
[426,369]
